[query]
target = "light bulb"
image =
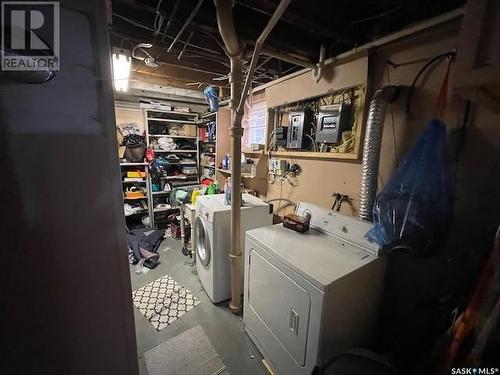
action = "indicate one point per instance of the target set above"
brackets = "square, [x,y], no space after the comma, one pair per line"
[121,69]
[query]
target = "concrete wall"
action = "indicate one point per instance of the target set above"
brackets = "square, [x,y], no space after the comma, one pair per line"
[66,295]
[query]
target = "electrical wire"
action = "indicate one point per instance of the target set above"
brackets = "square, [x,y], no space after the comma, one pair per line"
[429,63]
[345,143]
[394,138]
[315,149]
[377,16]
[158,22]
[145,27]
[281,196]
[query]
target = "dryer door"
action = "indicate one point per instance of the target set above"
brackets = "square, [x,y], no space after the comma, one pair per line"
[281,304]
[202,241]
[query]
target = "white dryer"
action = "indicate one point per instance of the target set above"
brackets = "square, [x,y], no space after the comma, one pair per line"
[309,296]
[213,239]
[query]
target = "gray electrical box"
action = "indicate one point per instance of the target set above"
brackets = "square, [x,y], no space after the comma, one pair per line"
[299,126]
[332,120]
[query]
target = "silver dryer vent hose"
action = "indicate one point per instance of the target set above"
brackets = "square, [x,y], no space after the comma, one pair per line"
[371,148]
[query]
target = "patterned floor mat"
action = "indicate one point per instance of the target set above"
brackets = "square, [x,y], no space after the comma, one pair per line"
[189,353]
[163,301]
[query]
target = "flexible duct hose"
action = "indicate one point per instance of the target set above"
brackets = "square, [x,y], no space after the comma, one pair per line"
[371,148]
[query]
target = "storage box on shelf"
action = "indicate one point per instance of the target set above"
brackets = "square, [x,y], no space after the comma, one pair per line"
[173,136]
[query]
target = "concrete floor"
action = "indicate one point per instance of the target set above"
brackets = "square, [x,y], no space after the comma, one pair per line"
[224,329]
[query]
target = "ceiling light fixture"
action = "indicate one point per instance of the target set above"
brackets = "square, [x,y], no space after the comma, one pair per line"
[121,69]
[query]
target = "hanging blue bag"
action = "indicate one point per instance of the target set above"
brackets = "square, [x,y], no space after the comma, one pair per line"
[413,210]
[212,98]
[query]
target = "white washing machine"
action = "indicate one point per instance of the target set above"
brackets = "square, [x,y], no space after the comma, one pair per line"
[213,239]
[309,296]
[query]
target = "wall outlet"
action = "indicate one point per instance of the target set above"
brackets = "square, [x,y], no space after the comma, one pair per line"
[278,167]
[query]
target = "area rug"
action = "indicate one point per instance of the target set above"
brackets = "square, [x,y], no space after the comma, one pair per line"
[189,353]
[163,301]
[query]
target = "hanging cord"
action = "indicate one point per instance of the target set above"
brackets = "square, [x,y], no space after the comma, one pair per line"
[442,99]
[450,55]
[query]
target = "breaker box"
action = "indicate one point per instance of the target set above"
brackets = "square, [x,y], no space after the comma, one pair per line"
[332,120]
[299,126]
[281,136]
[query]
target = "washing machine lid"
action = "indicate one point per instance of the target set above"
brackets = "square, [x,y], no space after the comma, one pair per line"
[203,247]
[316,256]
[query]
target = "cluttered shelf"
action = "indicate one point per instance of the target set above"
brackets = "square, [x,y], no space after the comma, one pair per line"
[160,192]
[180,113]
[138,212]
[180,177]
[177,151]
[165,209]
[158,154]
[172,136]
[208,115]
[171,120]
[126,164]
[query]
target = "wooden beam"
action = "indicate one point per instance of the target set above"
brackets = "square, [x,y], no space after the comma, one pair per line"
[175,72]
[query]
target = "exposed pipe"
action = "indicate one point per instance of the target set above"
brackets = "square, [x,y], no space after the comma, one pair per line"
[170,18]
[225,22]
[257,49]
[371,148]
[363,49]
[186,24]
[185,45]
[234,50]
[145,27]
[288,58]
[320,67]
[301,23]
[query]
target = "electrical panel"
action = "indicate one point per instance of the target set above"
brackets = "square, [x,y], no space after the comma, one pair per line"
[332,120]
[299,126]
[280,135]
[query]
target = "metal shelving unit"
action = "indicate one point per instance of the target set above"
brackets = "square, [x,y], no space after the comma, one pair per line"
[161,123]
[145,181]
[205,169]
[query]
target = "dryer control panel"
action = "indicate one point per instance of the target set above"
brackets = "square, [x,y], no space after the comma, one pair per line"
[347,228]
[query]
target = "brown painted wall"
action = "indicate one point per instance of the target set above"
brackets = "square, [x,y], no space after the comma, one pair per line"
[320,178]
[417,288]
